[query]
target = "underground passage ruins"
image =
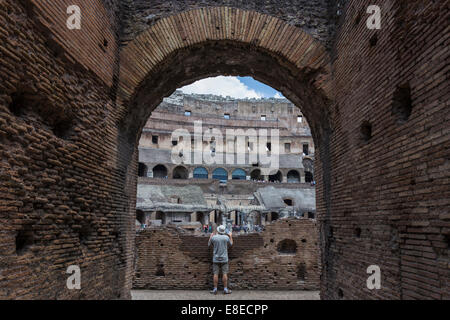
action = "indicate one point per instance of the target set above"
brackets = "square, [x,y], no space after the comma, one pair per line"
[83,182]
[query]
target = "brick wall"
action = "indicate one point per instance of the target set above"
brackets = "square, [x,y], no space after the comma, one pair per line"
[68,169]
[62,198]
[169,259]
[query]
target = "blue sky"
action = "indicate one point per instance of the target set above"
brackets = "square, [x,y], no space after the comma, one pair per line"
[236,87]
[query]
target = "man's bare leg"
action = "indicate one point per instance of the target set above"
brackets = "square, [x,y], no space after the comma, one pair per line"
[216,281]
[225,284]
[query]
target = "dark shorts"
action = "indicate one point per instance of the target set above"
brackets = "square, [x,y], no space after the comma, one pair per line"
[217,266]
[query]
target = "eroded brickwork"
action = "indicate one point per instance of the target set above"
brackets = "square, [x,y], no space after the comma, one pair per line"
[62,201]
[378,110]
[169,259]
[389,185]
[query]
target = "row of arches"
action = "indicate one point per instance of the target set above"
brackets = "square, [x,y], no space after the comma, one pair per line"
[181,172]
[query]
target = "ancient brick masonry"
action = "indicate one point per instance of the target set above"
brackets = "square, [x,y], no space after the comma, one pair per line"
[169,259]
[390,170]
[61,186]
[376,100]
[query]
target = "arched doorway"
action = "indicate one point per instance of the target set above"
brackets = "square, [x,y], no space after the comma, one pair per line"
[140,216]
[256,175]
[293,176]
[142,170]
[220,174]
[200,173]
[180,172]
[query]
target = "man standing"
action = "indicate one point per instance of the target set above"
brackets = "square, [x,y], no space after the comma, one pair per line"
[220,257]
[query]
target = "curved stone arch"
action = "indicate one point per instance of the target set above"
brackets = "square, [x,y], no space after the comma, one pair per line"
[160,171]
[180,172]
[293,176]
[142,169]
[256,173]
[220,172]
[276,177]
[238,174]
[146,60]
[200,173]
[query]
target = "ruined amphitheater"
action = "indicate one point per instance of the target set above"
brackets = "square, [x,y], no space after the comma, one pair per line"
[85,176]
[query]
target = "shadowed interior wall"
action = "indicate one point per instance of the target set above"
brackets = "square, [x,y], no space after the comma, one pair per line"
[68,167]
[389,188]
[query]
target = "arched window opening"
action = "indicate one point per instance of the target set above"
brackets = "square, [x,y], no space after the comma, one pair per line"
[142,170]
[239,174]
[287,246]
[200,173]
[309,176]
[160,171]
[288,202]
[220,174]
[277,177]
[180,173]
[293,176]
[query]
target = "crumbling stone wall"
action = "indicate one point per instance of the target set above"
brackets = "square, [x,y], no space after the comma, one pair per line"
[167,258]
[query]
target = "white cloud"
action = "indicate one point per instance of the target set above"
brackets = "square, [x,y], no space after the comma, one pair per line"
[278,96]
[222,86]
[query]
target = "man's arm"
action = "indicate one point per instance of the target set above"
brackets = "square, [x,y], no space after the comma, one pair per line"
[230,235]
[210,237]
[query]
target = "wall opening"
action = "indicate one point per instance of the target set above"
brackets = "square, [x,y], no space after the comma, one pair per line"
[220,174]
[200,173]
[256,175]
[180,173]
[366,131]
[140,216]
[239,174]
[402,103]
[293,176]
[287,246]
[24,240]
[160,171]
[142,170]
[277,177]
[160,270]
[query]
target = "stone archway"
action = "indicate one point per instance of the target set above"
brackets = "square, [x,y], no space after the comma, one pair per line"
[181,49]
